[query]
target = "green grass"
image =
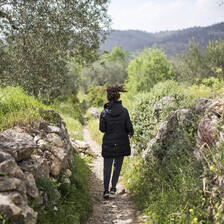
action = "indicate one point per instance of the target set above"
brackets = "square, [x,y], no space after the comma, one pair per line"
[72,203]
[18,108]
[93,126]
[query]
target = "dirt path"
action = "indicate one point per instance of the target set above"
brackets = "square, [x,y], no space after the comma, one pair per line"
[118,208]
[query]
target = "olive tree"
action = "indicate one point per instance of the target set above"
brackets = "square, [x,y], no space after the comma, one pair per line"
[42,36]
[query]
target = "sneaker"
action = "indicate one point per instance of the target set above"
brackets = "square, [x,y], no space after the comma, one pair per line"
[113,190]
[106,194]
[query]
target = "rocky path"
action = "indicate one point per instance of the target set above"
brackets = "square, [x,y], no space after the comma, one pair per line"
[118,208]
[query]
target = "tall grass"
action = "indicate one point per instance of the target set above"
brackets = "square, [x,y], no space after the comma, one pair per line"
[93,126]
[16,107]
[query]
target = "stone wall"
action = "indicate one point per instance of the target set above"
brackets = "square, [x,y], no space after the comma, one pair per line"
[208,112]
[26,154]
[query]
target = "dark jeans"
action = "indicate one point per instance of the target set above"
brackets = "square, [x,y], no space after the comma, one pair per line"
[107,171]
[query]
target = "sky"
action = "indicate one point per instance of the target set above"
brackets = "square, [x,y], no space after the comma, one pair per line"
[163,15]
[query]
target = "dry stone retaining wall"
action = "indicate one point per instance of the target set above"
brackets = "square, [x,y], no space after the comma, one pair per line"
[41,150]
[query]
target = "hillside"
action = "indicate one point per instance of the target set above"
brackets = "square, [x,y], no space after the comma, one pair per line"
[173,42]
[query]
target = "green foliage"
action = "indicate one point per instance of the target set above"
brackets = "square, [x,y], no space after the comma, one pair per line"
[96,96]
[144,117]
[166,192]
[117,54]
[66,203]
[93,127]
[198,63]
[69,108]
[16,107]
[168,186]
[74,127]
[42,35]
[110,69]
[147,69]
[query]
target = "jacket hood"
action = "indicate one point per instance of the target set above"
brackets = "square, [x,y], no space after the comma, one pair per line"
[114,108]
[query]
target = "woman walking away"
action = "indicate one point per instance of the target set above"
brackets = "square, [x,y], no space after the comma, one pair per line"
[116,124]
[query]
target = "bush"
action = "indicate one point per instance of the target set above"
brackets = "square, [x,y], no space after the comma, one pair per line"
[147,69]
[96,96]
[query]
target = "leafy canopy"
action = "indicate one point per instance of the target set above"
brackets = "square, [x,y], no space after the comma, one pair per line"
[110,69]
[42,35]
[198,63]
[147,69]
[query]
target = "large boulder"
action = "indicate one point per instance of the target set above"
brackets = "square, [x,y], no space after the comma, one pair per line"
[19,145]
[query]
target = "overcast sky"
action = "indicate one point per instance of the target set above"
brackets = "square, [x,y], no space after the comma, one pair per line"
[161,15]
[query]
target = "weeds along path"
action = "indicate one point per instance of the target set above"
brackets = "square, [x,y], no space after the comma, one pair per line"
[118,208]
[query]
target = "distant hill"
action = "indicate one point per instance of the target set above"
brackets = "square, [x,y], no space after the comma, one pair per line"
[173,42]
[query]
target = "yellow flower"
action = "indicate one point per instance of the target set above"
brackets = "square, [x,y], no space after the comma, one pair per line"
[211,167]
[216,206]
[203,199]
[191,210]
[204,178]
[195,219]
[217,214]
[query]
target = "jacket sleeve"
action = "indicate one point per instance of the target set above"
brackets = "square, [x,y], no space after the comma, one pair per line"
[129,125]
[103,124]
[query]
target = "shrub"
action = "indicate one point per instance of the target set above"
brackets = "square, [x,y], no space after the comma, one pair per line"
[96,96]
[147,69]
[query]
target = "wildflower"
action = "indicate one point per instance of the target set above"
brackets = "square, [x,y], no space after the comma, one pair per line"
[216,206]
[191,210]
[211,167]
[155,179]
[217,214]
[195,219]
[204,178]
[203,199]
[133,164]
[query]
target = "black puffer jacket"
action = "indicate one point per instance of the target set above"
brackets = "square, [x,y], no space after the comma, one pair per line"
[116,124]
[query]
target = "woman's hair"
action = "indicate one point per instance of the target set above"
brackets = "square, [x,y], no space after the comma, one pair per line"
[113,92]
